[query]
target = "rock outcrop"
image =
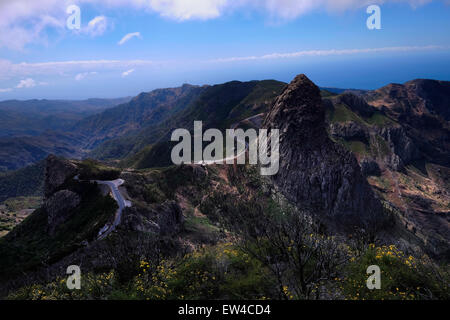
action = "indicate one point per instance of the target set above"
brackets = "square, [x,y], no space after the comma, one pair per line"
[349,131]
[316,173]
[57,170]
[359,105]
[59,204]
[369,167]
[414,99]
[164,219]
[400,144]
[170,218]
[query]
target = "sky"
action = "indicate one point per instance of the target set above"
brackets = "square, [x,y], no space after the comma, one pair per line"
[124,47]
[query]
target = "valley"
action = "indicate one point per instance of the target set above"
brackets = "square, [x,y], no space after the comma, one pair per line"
[359,173]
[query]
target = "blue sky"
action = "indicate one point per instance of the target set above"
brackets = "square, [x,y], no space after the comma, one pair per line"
[171,42]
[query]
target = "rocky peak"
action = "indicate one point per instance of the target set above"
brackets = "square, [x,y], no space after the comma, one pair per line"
[298,112]
[59,204]
[315,173]
[57,170]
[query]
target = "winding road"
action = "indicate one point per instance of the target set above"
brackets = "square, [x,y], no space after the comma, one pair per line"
[224,160]
[121,202]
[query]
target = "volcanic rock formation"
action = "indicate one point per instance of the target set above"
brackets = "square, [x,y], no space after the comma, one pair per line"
[316,173]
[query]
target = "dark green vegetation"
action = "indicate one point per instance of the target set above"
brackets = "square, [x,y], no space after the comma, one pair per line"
[95,170]
[272,251]
[160,184]
[14,210]
[30,130]
[371,143]
[226,272]
[219,106]
[28,181]
[20,192]
[33,117]
[72,139]
[29,246]
[20,203]
[403,277]
[238,238]
[19,152]
[123,131]
[143,111]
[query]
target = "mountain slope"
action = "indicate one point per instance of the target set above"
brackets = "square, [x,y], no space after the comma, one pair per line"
[187,222]
[28,181]
[416,98]
[33,117]
[219,106]
[403,149]
[75,139]
[144,110]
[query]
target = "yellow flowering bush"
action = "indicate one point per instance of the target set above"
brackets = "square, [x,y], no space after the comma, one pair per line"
[403,277]
[93,286]
[208,273]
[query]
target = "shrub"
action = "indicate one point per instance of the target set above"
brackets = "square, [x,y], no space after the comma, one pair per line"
[221,272]
[403,277]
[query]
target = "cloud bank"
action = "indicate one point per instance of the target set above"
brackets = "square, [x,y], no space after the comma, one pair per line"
[332,52]
[82,68]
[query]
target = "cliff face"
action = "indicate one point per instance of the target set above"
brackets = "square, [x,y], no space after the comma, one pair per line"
[414,99]
[421,107]
[57,170]
[316,173]
[59,204]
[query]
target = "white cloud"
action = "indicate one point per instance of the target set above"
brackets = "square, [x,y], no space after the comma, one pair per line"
[192,9]
[81,76]
[83,68]
[25,21]
[331,52]
[209,9]
[128,37]
[97,26]
[127,73]
[26,83]
[10,70]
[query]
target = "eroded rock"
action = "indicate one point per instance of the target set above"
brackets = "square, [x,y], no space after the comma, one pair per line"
[316,173]
[57,170]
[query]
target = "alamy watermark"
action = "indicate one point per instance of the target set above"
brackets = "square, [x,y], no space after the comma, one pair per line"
[74,280]
[238,143]
[74,20]
[374,280]
[374,21]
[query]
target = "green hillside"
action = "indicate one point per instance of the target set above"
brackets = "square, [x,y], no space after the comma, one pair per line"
[34,117]
[28,181]
[146,109]
[219,106]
